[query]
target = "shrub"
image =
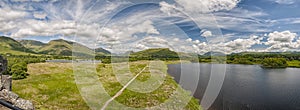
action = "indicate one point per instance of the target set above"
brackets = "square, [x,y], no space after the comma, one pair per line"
[19,70]
[274,63]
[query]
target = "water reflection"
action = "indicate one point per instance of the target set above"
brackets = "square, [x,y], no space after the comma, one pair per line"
[247,87]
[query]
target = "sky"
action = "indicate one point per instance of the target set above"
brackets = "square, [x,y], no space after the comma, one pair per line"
[197,26]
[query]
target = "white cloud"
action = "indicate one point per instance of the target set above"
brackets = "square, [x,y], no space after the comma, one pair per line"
[206,34]
[203,6]
[285,1]
[167,8]
[122,33]
[10,15]
[153,42]
[40,15]
[189,45]
[249,19]
[7,26]
[240,45]
[189,40]
[41,28]
[281,41]
[278,37]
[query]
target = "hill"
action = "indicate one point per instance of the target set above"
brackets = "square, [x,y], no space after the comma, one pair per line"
[156,53]
[61,47]
[64,48]
[32,44]
[101,51]
[9,45]
[212,53]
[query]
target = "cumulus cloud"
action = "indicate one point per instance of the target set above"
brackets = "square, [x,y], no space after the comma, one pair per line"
[122,33]
[200,6]
[40,28]
[240,45]
[282,40]
[189,40]
[40,15]
[206,33]
[189,45]
[10,15]
[279,37]
[167,8]
[152,42]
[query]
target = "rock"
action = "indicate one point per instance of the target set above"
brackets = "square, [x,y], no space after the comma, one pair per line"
[5,91]
[8,96]
[14,99]
[24,104]
[6,82]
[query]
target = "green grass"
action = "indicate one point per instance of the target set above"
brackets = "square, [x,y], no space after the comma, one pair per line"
[13,52]
[51,87]
[294,63]
[130,97]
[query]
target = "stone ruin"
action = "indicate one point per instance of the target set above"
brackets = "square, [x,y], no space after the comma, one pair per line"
[8,99]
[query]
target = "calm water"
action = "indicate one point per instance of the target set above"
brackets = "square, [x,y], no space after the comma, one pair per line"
[248,87]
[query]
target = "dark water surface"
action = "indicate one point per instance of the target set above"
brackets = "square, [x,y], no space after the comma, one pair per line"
[248,87]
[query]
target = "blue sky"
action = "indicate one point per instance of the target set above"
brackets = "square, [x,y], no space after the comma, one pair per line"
[183,25]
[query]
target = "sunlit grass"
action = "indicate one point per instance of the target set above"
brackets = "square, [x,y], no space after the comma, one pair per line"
[141,100]
[50,86]
[294,63]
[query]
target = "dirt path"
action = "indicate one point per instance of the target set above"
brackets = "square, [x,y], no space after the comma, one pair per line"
[121,91]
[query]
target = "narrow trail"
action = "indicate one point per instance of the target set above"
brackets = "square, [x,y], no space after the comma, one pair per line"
[121,91]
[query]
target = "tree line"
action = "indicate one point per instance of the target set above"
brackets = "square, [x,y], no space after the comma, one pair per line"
[17,64]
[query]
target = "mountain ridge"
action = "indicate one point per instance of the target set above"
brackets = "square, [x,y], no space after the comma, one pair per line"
[53,47]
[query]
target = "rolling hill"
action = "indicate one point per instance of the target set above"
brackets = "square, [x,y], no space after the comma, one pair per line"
[54,47]
[32,44]
[65,48]
[9,45]
[156,52]
[101,51]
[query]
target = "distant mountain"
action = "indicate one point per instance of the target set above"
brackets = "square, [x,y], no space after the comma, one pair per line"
[32,44]
[65,48]
[9,45]
[54,47]
[101,51]
[214,54]
[156,52]
[265,53]
[62,47]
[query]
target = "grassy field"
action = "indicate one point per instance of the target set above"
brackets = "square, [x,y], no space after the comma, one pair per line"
[52,86]
[294,63]
[168,88]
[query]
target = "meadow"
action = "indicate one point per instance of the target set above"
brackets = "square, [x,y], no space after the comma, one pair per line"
[52,86]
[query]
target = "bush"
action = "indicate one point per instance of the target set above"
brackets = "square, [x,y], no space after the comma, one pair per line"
[17,65]
[274,63]
[19,70]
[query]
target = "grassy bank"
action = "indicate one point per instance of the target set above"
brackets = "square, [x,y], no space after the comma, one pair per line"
[51,86]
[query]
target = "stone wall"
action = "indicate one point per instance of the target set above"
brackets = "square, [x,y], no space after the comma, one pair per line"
[8,96]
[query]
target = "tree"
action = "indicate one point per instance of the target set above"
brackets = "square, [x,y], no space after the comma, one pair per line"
[274,63]
[19,70]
